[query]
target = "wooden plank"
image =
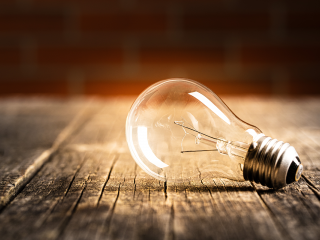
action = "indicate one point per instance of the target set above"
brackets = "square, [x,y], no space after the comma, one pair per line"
[119,190]
[31,131]
[59,218]
[141,211]
[154,220]
[34,205]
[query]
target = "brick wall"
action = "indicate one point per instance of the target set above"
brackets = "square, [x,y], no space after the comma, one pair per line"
[120,47]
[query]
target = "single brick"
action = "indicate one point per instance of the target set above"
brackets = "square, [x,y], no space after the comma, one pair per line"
[280,54]
[303,21]
[109,88]
[182,55]
[129,22]
[22,22]
[79,55]
[226,21]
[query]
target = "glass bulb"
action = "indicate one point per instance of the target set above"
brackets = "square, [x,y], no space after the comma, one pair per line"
[178,128]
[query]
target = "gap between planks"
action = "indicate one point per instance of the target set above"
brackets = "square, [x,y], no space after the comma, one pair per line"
[79,120]
[107,180]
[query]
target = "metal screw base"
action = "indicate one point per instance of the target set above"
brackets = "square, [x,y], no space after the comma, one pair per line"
[272,163]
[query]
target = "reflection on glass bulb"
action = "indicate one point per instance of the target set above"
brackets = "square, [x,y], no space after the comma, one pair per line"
[177,128]
[146,150]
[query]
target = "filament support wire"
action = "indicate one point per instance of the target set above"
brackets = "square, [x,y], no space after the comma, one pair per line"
[218,139]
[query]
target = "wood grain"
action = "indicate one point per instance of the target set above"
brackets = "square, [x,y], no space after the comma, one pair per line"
[31,131]
[91,188]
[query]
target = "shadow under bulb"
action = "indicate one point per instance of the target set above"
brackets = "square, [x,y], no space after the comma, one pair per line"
[178,128]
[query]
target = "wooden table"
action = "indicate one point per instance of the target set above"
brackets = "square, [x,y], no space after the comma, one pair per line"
[66,173]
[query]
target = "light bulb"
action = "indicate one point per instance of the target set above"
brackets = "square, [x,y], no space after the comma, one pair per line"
[178,128]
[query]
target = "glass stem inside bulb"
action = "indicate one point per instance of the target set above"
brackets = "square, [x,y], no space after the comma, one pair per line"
[231,148]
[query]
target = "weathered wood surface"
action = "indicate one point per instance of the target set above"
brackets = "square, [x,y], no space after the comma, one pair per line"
[30,132]
[89,187]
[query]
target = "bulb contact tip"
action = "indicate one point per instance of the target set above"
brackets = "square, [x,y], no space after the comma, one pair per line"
[299,172]
[272,163]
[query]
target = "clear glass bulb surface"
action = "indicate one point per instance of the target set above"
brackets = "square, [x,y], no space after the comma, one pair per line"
[179,128]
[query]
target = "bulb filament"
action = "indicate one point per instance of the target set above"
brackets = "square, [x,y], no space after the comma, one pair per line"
[236,149]
[176,122]
[200,150]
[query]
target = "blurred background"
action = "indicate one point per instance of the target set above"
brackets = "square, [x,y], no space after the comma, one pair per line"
[72,47]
